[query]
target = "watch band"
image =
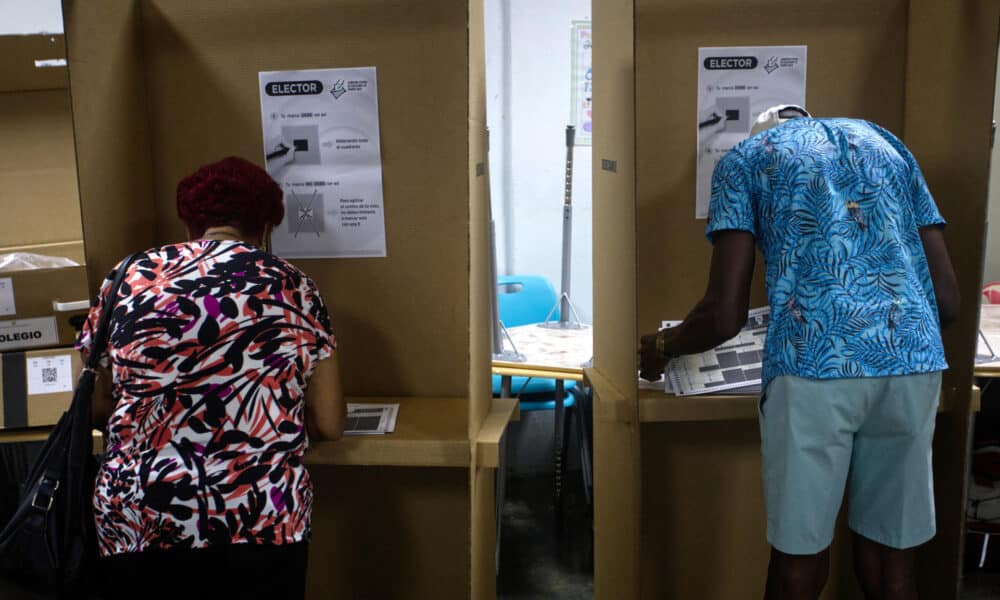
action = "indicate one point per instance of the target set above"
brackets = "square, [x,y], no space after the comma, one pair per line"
[660,343]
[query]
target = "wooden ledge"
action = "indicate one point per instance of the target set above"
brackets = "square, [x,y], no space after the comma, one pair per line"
[40,434]
[657,407]
[502,412]
[430,432]
[536,371]
[610,404]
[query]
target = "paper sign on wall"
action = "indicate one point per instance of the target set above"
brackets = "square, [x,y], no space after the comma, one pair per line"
[735,85]
[28,333]
[321,144]
[50,374]
[582,84]
[7,306]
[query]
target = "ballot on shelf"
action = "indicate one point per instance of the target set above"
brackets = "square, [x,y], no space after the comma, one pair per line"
[371,419]
[733,367]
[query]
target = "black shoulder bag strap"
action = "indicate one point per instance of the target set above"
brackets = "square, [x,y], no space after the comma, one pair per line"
[104,325]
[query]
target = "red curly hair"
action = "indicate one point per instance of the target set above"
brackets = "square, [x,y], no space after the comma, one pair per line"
[232,192]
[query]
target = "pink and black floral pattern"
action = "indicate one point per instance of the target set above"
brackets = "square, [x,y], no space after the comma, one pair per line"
[211,347]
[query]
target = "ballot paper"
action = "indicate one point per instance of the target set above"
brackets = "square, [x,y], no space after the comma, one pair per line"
[321,144]
[371,419]
[733,367]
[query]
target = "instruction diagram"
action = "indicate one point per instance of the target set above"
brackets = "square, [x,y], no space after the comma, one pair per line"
[322,146]
[735,85]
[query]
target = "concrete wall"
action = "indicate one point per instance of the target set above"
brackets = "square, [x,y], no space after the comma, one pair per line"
[18,17]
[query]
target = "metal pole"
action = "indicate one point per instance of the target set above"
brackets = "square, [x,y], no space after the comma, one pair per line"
[494,301]
[496,329]
[567,314]
[567,237]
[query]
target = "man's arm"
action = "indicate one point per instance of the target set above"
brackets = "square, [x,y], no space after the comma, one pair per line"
[721,312]
[942,274]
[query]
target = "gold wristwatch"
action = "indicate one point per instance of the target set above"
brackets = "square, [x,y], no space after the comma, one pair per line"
[660,342]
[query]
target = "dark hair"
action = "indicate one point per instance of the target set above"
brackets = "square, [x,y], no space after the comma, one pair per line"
[233,192]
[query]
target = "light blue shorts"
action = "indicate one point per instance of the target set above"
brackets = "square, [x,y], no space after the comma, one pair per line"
[871,434]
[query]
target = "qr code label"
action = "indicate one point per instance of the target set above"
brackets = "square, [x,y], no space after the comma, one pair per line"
[50,374]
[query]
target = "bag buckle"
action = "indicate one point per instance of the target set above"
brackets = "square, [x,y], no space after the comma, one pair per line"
[49,495]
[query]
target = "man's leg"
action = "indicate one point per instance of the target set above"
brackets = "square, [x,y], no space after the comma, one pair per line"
[884,573]
[807,431]
[891,486]
[796,577]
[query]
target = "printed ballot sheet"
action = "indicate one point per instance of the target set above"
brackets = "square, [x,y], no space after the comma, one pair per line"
[734,366]
[371,419]
[321,144]
[735,85]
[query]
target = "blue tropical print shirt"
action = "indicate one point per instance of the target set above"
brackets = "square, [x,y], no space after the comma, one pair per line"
[835,206]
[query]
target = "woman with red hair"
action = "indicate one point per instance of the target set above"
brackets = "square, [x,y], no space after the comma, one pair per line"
[202,491]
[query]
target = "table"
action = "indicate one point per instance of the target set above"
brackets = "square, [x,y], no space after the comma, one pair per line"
[989,327]
[551,353]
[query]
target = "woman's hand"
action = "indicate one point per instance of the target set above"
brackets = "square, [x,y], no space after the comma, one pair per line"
[326,410]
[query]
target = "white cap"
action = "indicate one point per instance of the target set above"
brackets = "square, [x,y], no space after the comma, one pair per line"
[772,116]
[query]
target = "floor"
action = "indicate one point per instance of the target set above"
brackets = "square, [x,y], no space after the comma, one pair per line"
[538,560]
[981,585]
[542,556]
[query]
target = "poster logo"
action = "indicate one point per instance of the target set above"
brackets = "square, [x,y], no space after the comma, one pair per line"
[293,88]
[338,89]
[771,65]
[726,63]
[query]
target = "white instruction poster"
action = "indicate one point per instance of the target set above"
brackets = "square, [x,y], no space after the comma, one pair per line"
[50,374]
[735,85]
[582,85]
[321,144]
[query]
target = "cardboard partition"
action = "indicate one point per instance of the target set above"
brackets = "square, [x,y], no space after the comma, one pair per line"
[18,55]
[617,479]
[39,195]
[182,91]
[866,59]
[36,386]
[38,188]
[390,533]
[161,87]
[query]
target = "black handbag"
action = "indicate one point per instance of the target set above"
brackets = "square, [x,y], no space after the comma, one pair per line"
[50,543]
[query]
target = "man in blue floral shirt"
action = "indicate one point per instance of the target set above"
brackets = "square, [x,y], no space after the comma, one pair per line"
[859,283]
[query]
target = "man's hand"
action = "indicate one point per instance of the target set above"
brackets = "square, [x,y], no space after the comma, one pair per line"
[651,363]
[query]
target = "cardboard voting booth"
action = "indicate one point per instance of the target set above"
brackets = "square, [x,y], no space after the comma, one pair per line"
[678,494]
[161,87]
